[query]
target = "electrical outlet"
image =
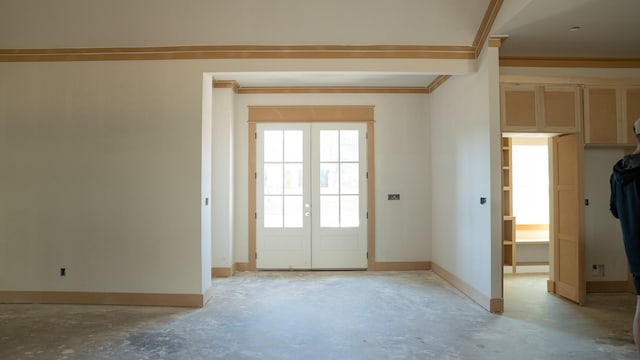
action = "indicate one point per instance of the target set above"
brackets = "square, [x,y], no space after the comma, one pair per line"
[597,270]
[393,197]
[63,272]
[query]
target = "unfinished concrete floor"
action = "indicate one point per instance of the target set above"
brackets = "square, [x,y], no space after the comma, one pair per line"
[330,315]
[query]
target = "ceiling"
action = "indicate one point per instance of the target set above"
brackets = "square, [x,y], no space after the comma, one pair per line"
[607,29]
[542,28]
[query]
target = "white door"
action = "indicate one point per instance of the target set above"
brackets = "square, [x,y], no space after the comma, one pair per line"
[283,197]
[311,196]
[339,237]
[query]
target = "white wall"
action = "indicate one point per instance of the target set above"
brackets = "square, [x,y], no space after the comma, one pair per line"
[465,144]
[222,182]
[402,155]
[603,235]
[100,173]
[532,253]
[205,181]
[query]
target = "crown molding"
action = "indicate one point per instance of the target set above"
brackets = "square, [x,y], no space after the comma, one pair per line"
[437,82]
[226,84]
[496,41]
[485,26]
[334,90]
[241,52]
[513,61]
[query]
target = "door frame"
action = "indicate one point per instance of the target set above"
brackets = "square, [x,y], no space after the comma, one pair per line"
[311,114]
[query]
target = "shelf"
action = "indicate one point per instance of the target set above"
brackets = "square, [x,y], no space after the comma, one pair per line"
[532,242]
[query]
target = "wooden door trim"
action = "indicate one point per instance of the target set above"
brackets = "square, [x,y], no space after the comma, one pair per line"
[311,114]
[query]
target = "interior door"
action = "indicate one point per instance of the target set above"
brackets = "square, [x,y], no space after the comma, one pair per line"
[311,199]
[568,237]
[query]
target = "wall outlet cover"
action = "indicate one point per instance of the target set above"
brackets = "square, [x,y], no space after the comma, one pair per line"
[597,270]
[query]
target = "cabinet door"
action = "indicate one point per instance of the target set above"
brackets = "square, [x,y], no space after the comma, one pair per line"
[601,115]
[561,109]
[632,107]
[519,108]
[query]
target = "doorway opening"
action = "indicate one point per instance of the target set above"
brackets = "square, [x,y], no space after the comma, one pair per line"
[529,197]
[566,244]
[340,236]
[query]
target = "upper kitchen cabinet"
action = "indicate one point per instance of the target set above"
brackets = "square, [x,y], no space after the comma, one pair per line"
[631,107]
[609,114]
[540,108]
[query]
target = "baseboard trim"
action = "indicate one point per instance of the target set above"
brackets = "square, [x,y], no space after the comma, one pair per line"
[400,266]
[493,305]
[551,286]
[241,266]
[496,305]
[221,272]
[104,298]
[608,286]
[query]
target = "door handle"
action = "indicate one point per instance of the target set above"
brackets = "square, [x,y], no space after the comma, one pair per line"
[308,212]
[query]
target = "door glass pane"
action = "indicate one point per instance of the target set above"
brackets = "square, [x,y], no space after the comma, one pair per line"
[273,211]
[293,211]
[349,211]
[293,179]
[273,146]
[329,211]
[349,178]
[293,146]
[340,176]
[329,178]
[283,175]
[329,146]
[273,183]
[349,145]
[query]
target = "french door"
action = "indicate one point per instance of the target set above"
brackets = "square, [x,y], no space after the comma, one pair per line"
[311,188]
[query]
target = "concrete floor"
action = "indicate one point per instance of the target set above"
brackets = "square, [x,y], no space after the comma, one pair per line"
[330,315]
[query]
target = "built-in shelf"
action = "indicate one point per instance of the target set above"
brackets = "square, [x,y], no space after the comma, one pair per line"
[508,220]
